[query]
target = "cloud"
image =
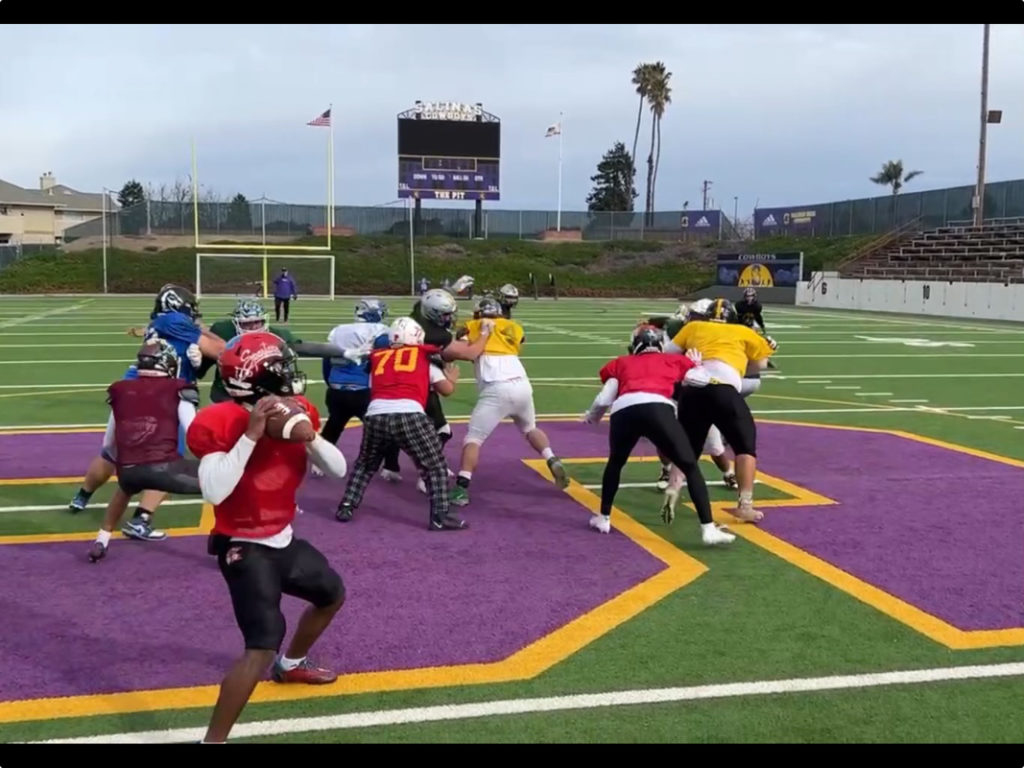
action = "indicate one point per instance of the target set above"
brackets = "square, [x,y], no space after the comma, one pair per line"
[784,114]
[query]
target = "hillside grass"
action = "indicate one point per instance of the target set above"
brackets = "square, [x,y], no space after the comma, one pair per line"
[380,265]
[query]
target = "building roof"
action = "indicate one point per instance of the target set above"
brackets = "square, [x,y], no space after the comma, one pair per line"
[58,196]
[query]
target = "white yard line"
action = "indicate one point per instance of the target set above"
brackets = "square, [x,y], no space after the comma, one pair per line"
[23,319]
[872,394]
[53,507]
[506,707]
[850,386]
[908,400]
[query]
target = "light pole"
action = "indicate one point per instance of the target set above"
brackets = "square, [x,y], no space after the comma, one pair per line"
[995,116]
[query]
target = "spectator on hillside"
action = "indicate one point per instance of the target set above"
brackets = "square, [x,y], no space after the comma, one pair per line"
[284,291]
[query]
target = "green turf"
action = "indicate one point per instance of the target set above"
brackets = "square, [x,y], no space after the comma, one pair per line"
[750,617]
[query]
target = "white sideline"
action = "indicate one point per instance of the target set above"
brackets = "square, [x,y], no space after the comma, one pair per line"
[506,707]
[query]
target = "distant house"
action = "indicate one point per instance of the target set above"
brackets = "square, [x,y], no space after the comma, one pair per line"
[40,216]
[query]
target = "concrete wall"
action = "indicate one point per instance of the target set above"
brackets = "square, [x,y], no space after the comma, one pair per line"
[989,301]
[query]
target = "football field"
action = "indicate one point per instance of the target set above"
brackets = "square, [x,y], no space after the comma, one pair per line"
[881,599]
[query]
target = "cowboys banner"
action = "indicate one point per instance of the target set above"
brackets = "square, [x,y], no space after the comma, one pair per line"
[759,270]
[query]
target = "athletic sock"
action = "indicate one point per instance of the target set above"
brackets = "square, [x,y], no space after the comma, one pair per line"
[289,664]
[142,514]
[464,479]
[547,453]
[103,537]
[86,495]
[746,497]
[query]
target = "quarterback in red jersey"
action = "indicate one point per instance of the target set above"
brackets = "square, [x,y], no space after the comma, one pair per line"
[401,379]
[639,387]
[251,479]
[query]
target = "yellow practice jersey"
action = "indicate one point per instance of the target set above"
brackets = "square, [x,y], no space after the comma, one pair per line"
[506,338]
[732,343]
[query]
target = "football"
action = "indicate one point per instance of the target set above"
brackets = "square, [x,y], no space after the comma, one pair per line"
[290,422]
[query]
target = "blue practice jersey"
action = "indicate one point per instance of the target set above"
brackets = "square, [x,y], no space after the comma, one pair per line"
[180,331]
[340,373]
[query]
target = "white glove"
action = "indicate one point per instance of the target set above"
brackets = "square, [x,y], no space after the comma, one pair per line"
[357,354]
[695,356]
[772,343]
[594,414]
[195,356]
[487,327]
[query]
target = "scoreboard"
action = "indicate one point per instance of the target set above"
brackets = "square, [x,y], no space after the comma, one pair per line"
[449,151]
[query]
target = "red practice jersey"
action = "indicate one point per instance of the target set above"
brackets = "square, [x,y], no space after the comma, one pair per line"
[653,372]
[401,373]
[263,502]
[146,419]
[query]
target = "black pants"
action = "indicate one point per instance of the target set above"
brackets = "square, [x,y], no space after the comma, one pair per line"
[723,406]
[343,405]
[278,303]
[180,476]
[658,423]
[257,576]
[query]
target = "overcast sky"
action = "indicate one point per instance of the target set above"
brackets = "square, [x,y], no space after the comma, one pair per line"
[776,114]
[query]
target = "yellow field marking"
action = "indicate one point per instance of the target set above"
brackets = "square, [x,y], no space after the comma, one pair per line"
[529,662]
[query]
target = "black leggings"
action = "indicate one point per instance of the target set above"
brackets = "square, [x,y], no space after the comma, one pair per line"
[343,405]
[658,423]
[180,476]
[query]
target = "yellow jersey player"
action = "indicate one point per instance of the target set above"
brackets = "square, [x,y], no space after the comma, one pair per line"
[728,350]
[504,392]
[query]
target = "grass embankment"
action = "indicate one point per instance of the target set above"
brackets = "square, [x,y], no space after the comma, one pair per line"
[381,265]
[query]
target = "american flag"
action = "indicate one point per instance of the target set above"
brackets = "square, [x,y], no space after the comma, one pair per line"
[324,119]
[553,130]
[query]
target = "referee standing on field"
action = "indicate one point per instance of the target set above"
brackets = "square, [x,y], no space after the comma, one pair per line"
[284,291]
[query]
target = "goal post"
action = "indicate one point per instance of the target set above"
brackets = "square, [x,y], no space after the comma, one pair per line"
[252,274]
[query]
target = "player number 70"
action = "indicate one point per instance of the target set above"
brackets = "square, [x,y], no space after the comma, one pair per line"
[405,359]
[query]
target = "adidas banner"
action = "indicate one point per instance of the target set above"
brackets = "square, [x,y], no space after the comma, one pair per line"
[760,270]
[701,221]
[803,220]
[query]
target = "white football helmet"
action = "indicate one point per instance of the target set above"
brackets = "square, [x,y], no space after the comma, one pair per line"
[438,306]
[405,331]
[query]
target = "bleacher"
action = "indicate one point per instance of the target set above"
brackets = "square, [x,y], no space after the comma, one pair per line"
[960,252]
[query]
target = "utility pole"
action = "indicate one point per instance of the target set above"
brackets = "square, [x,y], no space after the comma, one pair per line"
[704,189]
[979,200]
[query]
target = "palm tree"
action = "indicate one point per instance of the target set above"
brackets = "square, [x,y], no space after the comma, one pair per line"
[657,98]
[891,175]
[641,79]
[660,96]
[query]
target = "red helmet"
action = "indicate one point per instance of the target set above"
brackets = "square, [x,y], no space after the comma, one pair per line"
[256,364]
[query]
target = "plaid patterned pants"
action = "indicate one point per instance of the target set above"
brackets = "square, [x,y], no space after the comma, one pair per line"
[416,435]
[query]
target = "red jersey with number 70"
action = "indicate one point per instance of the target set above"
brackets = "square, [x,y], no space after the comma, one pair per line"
[400,373]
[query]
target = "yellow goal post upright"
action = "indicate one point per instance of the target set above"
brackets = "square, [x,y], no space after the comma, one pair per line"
[262,245]
[248,275]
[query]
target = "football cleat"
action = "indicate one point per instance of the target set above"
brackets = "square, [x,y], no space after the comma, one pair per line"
[97,552]
[713,534]
[79,502]
[447,523]
[306,672]
[344,512]
[390,476]
[558,472]
[458,496]
[730,480]
[602,523]
[141,530]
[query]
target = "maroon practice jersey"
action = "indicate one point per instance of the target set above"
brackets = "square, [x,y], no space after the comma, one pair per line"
[146,428]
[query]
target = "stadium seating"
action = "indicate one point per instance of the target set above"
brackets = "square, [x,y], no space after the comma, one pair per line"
[993,252]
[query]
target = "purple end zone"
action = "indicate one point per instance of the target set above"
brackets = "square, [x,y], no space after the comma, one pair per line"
[939,529]
[158,615]
[52,455]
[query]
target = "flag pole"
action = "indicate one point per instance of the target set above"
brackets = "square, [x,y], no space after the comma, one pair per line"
[331,107]
[558,225]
